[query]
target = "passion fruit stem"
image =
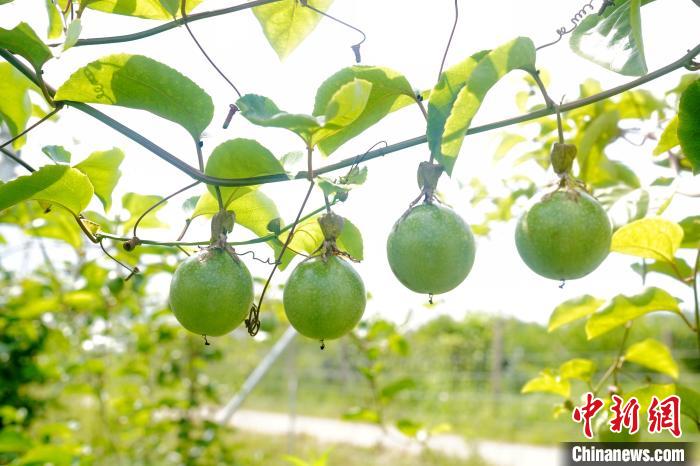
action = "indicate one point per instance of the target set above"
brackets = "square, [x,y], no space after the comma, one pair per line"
[221,225]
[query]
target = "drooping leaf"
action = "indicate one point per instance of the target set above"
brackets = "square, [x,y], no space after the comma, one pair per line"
[53,184]
[691,232]
[654,355]
[139,82]
[450,116]
[15,106]
[581,369]
[57,153]
[389,91]
[287,23]
[669,137]
[137,204]
[547,382]
[22,40]
[240,158]
[572,310]
[55,27]
[148,9]
[103,170]
[613,40]
[689,125]
[72,33]
[623,309]
[651,238]
[262,111]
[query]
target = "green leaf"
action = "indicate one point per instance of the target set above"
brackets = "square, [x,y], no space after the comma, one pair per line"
[572,310]
[103,170]
[390,91]
[623,309]
[22,40]
[689,125]
[507,143]
[240,158]
[680,267]
[654,355]
[362,414]
[55,27]
[254,210]
[691,232]
[12,441]
[72,34]
[547,382]
[53,184]
[57,153]
[137,204]
[139,82]
[613,40]
[390,391]
[651,238]
[149,9]
[287,23]
[262,111]
[594,166]
[644,394]
[453,103]
[582,369]
[308,237]
[409,427]
[690,405]
[346,105]
[669,137]
[15,106]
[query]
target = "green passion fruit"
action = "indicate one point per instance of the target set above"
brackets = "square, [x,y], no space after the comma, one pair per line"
[431,249]
[564,236]
[324,299]
[211,293]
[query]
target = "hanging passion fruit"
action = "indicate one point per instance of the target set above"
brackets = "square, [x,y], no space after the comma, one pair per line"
[324,298]
[431,249]
[211,293]
[564,236]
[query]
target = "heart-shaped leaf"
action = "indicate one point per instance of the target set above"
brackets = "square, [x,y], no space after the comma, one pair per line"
[139,82]
[287,23]
[240,158]
[103,170]
[572,310]
[650,238]
[654,355]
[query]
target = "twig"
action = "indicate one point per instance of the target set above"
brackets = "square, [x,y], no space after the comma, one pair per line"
[29,128]
[161,202]
[356,47]
[17,160]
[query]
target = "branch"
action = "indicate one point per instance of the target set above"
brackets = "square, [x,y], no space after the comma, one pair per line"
[167,26]
[258,180]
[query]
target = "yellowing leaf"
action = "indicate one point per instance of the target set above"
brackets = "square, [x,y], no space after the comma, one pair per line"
[622,309]
[548,383]
[572,310]
[654,355]
[582,369]
[669,137]
[650,238]
[287,23]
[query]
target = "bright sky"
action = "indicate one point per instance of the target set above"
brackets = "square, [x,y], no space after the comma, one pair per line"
[408,36]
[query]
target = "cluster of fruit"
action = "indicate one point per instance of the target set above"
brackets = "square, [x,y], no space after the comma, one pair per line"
[430,249]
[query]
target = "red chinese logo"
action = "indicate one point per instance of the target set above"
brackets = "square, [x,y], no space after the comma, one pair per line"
[661,415]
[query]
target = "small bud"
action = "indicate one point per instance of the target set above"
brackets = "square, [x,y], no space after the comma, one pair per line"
[331,225]
[562,157]
[428,176]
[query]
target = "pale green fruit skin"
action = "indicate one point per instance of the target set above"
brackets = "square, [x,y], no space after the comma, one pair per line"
[563,236]
[211,293]
[431,249]
[324,300]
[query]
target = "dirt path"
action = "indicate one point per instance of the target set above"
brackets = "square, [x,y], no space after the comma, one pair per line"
[369,435]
